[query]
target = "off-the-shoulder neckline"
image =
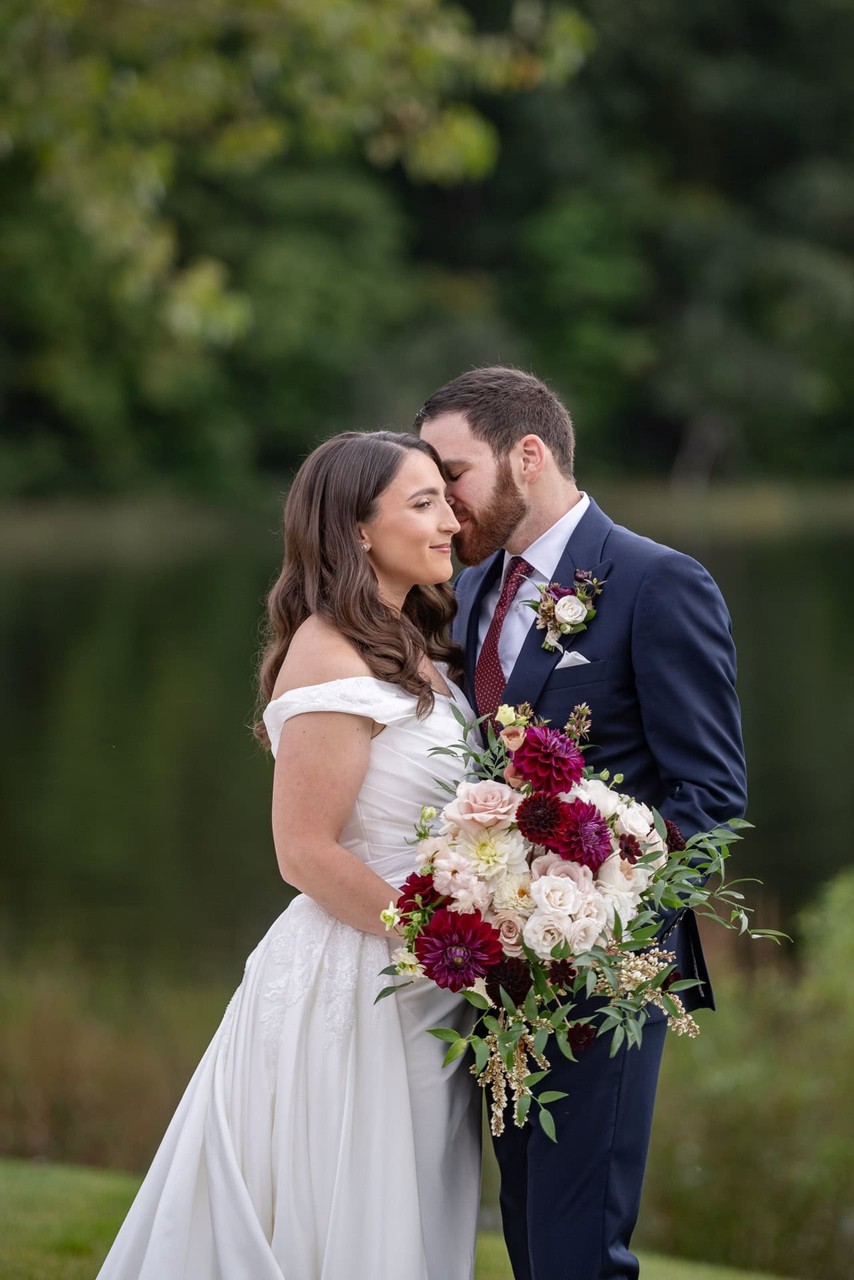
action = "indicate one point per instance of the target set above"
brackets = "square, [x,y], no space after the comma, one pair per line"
[326,684]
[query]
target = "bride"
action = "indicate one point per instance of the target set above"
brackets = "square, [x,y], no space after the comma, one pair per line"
[320,1137]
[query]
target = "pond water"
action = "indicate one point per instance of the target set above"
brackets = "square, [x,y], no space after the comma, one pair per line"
[134,802]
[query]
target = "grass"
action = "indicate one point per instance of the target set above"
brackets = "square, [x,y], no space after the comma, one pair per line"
[57,1223]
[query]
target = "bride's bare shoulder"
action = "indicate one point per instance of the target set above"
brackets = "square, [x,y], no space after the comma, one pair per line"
[318,653]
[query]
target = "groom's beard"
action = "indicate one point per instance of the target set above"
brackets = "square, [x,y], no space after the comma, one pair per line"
[492,527]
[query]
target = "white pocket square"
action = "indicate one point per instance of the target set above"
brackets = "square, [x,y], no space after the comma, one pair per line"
[572,658]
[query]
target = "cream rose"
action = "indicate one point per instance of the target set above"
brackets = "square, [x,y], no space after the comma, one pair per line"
[479,805]
[584,934]
[569,611]
[543,931]
[594,791]
[559,894]
[621,876]
[635,819]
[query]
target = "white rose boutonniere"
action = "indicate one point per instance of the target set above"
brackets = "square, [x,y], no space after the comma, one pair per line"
[564,611]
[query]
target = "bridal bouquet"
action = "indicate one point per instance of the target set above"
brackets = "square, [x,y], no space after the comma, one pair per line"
[540,885]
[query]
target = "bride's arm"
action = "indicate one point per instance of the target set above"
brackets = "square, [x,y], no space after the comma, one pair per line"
[321,763]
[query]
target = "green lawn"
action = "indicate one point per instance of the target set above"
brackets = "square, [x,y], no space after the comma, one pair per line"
[56,1223]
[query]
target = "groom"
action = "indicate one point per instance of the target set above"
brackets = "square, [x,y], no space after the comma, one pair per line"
[657,667]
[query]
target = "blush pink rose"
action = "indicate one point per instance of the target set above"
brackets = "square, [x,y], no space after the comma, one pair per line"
[513,736]
[478,805]
[509,926]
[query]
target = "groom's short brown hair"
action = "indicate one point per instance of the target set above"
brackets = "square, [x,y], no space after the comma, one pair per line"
[501,406]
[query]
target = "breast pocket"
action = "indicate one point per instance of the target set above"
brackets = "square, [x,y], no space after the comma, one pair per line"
[587,673]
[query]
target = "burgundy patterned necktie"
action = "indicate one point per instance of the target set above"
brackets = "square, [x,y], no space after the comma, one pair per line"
[489,678]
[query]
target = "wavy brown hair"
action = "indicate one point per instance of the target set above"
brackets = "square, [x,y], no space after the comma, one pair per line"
[327,574]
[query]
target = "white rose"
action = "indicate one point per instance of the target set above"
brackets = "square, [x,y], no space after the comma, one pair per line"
[506,715]
[569,610]
[543,931]
[594,791]
[556,893]
[584,934]
[635,819]
[513,893]
[616,875]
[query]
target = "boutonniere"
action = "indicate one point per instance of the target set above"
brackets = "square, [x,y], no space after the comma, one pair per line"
[564,611]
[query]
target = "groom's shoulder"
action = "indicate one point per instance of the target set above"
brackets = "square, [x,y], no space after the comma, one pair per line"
[642,558]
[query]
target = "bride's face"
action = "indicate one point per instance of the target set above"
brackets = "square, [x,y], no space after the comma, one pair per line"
[409,536]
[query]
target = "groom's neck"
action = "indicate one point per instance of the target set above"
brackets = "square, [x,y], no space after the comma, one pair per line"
[549,499]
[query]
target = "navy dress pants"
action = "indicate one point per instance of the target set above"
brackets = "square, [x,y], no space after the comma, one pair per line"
[569,1208]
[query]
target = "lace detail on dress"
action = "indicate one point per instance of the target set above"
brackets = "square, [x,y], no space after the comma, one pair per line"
[314,956]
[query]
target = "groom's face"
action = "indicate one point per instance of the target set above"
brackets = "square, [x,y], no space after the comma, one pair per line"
[482,490]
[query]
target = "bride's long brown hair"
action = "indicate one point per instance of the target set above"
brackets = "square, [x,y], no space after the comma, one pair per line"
[326,571]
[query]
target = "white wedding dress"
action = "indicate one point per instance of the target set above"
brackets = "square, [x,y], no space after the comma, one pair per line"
[320,1137]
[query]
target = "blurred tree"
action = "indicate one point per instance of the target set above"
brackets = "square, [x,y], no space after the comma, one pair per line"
[193,256]
[674,234]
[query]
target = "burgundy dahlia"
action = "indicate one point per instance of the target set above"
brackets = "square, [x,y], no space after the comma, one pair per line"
[418,892]
[541,818]
[511,973]
[675,838]
[457,948]
[548,760]
[585,838]
[630,848]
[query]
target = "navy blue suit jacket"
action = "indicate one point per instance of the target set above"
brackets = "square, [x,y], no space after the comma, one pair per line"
[660,682]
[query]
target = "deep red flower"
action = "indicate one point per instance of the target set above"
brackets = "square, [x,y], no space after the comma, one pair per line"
[630,848]
[674,976]
[541,818]
[675,838]
[585,838]
[511,973]
[456,948]
[417,892]
[581,1036]
[548,760]
[562,974]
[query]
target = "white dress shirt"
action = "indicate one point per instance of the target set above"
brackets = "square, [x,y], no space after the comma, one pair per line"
[543,556]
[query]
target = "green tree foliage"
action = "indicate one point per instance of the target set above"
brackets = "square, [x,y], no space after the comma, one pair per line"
[675,232]
[194,254]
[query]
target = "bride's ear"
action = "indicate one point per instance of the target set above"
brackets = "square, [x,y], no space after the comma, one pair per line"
[364,540]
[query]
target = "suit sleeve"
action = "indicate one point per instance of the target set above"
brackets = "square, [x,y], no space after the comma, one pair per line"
[684,663]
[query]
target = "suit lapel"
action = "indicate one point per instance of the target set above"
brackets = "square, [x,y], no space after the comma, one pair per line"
[583,551]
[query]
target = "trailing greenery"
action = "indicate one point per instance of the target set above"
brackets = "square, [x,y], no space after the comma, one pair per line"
[57,1222]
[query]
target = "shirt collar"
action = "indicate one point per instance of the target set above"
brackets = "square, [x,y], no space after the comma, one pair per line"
[544,554]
